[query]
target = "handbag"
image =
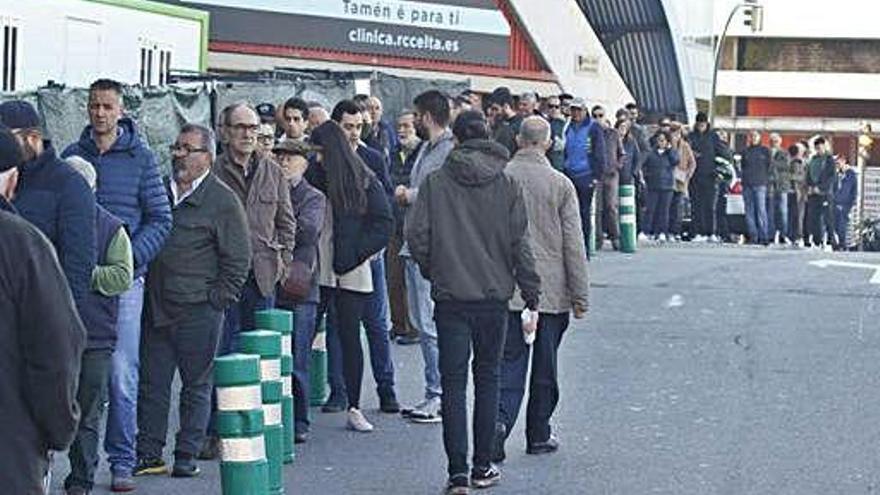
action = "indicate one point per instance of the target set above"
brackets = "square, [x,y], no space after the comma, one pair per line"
[298,283]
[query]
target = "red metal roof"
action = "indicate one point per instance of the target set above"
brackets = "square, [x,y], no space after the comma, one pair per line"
[523,62]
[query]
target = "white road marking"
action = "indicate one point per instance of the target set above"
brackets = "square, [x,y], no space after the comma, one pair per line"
[875,279]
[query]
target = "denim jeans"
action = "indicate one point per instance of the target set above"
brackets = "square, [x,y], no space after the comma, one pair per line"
[585,189]
[777,215]
[304,333]
[421,315]
[377,322]
[755,199]
[91,395]
[239,316]
[543,384]
[841,225]
[460,327]
[676,212]
[190,346]
[119,440]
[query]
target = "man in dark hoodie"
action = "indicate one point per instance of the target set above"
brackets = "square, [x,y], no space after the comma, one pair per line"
[755,178]
[471,206]
[130,187]
[820,185]
[707,147]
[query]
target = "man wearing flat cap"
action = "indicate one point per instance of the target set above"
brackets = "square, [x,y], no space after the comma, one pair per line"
[308,209]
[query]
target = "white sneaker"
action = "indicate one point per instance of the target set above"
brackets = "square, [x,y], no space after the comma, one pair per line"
[800,243]
[642,237]
[357,421]
[827,248]
[699,238]
[661,237]
[714,239]
[428,413]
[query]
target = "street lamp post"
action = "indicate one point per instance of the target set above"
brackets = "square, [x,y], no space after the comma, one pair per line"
[755,21]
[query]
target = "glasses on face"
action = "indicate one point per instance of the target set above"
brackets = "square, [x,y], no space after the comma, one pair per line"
[185,150]
[554,107]
[266,138]
[244,128]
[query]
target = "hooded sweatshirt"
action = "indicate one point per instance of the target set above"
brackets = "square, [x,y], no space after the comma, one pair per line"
[468,229]
[130,187]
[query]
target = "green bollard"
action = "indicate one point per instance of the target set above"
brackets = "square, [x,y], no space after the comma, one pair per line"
[267,345]
[287,415]
[283,321]
[243,464]
[628,230]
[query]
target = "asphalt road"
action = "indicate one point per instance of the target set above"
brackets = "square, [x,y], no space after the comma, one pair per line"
[700,370]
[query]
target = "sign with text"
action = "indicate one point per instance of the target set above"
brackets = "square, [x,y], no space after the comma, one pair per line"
[472,31]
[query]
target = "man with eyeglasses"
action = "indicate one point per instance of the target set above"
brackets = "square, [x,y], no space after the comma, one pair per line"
[558,122]
[260,186]
[130,187]
[607,214]
[197,275]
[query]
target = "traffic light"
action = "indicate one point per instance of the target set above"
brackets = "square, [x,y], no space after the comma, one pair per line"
[754,17]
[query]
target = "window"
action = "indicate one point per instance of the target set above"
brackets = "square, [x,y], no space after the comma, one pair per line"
[155,67]
[10,55]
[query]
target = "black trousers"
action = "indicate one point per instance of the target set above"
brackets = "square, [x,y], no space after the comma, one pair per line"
[705,195]
[543,382]
[460,328]
[190,346]
[349,307]
[819,218]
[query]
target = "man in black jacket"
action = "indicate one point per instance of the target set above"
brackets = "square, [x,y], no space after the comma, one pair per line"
[195,278]
[11,157]
[471,206]
[820,184]
[707,147]
[41,341]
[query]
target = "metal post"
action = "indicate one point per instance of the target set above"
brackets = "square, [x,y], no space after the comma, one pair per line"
[717,61]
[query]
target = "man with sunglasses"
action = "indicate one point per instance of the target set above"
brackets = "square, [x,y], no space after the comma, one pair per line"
[558,122]
[196,276]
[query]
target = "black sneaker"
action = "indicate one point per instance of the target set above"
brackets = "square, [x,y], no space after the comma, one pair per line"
[388,403]
[485,477]
[458,485]
[150,466]
[334,405]
[301,437]
[498,454]
[211,449]
[185,467]
[548,447]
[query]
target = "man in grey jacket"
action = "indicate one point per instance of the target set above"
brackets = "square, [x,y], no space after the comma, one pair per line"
[432,117]
[471,206]
[557,240]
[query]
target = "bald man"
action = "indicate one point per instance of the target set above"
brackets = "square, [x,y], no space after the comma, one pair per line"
[554,230]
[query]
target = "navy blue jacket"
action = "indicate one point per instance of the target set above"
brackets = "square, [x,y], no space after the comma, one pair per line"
[100,312]
[707,146]
[379,165]
[756,166]
[130,187]
[55,198]
[846,190]
[658,170]
[383,138]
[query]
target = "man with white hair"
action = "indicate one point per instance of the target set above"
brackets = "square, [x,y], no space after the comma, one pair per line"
[112,276]
[556,237]
[194,279]
[781,178]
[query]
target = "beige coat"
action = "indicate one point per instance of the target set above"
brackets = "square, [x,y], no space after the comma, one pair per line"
[269,213]
[687,165]
[556,237]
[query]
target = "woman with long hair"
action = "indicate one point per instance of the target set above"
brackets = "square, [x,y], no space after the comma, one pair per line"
[357,226]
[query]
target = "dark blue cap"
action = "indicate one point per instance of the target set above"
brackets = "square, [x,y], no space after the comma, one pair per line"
[11,154]
[19,114]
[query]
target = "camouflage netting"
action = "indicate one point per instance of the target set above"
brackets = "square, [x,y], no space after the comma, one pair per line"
[397,93]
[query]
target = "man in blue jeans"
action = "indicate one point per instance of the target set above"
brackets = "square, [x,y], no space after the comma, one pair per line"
[585,158]
[432,120]
[755,178]
[555,230]
[130,187]
[468,234]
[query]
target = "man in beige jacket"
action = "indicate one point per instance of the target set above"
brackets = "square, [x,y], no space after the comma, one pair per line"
[557,242]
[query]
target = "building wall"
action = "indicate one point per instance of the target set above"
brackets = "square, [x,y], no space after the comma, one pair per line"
[809,55]
[73,42]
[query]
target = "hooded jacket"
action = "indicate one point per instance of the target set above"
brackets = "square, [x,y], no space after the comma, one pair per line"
[707,146]
[468,230]
[54,197]
[41,343]
[130,187]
